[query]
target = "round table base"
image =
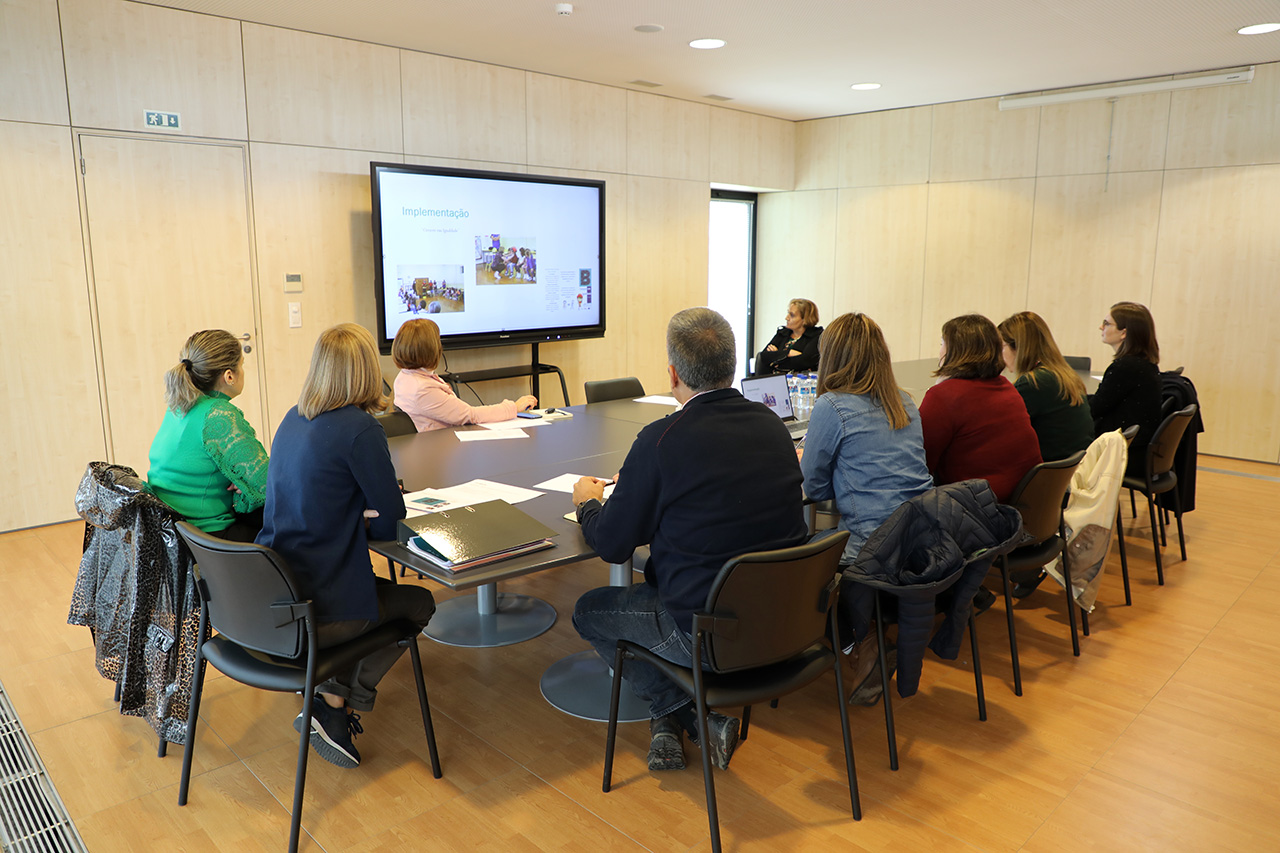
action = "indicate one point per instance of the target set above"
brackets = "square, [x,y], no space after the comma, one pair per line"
[579,685]
[459,622]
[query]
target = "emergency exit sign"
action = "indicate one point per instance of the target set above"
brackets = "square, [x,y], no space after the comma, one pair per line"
[156,118]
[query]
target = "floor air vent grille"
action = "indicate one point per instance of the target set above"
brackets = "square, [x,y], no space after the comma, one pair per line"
[32,817]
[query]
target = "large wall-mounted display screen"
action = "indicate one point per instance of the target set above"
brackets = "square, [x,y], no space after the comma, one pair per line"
[493,258]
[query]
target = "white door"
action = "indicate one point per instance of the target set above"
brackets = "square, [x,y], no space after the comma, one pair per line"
[170,252]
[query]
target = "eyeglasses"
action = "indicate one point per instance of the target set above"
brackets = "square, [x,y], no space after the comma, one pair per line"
[1107,323]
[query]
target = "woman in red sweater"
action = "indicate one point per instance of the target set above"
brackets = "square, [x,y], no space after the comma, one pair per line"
[975,423]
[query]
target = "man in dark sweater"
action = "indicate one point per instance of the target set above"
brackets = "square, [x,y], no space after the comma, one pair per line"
[716,478]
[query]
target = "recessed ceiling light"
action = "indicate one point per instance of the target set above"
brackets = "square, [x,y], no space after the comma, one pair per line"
[1258,29]
[864,87]
[649,28]
[706,44]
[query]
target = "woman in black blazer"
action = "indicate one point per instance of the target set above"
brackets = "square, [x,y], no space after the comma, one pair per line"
[795,347]
[1130,391]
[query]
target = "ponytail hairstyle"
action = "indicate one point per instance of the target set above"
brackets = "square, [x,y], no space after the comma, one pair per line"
[1033,345]
[853,358]
[204,358]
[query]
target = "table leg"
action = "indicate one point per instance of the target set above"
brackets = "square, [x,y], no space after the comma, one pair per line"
[489,618]
[579,684]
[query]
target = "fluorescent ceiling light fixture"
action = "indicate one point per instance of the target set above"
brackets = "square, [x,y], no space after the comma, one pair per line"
[1014,102]
[1258,29]
[864,87]
[706,44]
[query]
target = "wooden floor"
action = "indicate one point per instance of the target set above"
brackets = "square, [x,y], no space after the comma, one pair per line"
[1163,735]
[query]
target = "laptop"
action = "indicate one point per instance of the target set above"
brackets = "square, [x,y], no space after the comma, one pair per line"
[772,392]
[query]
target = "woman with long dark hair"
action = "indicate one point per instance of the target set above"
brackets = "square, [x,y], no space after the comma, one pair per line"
[1130,391]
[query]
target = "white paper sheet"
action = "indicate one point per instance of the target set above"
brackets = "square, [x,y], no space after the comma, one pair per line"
[516,423]
[474,492]
[659,399]
[490,435]
[564,483]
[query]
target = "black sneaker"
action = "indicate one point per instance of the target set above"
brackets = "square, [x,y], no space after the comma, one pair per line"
[723,738]
[982,600]
[666,744]
[332,731]
[1022,589]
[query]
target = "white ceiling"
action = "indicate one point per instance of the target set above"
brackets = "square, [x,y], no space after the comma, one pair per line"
[797,60]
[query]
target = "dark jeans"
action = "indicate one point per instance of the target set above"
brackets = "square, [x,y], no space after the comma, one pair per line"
[359,686]
[611,613]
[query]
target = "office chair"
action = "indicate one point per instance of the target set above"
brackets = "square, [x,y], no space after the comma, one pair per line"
[396,423]
[1158,478]
[267,639]
[762,635]
[1039,499]
[1078,362]
[602,390]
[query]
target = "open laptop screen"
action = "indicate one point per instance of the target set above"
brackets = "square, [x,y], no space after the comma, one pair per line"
[770,390]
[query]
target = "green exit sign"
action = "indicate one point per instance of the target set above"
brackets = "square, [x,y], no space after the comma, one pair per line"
[159,119]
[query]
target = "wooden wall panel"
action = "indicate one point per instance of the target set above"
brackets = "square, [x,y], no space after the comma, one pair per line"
[576,125]
[817,154]
[879,268]
[51,421]
[666,267]
[752,151]
[35,85]
[311,216]
[124,58]
[1077,139]
[317,90]
[1227,125]
[667,138]
[795,256]
[459,109]
[1215,301]
[974,141]
[976,254]
[877,149]
[1093,244]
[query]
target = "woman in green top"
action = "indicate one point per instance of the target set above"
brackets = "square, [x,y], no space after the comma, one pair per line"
[206,462]
[1054,394]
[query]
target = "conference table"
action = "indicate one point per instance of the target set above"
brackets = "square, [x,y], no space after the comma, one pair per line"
[594,441]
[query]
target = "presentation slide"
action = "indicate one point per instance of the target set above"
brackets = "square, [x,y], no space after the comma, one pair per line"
[486,255]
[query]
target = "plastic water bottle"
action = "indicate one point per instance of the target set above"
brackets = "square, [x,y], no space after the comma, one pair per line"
[811,393]
[793,391]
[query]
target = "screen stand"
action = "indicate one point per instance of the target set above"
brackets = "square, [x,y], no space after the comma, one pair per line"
[533,369]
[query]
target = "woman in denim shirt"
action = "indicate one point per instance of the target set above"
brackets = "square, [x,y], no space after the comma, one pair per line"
[864,446]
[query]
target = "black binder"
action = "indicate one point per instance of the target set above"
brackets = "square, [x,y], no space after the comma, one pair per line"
[474,535]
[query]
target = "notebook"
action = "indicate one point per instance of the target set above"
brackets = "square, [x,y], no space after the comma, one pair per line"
[475,535]
[772,392]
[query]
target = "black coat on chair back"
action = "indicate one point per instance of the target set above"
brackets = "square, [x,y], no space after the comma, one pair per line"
[915,554]
[1178,392]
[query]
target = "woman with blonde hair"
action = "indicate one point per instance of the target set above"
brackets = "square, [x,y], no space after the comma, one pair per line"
[206,461]
[330,490]
[864,447]
[428,399]
[1054,395]
[975,424]
[795,346]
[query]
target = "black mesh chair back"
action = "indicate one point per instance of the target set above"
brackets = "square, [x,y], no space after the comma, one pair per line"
[240,582]
[763,633]
[1078,362]
[602,390]
[397,423]
[783,617]
[1164,445]
[1038,498]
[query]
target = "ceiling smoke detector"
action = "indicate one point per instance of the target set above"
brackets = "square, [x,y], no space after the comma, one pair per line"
[564,9]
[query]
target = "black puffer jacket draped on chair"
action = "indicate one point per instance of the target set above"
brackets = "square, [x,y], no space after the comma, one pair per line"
[955,528]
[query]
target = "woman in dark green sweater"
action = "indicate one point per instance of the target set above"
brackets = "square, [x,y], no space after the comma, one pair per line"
[1054,394]
[206,461]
